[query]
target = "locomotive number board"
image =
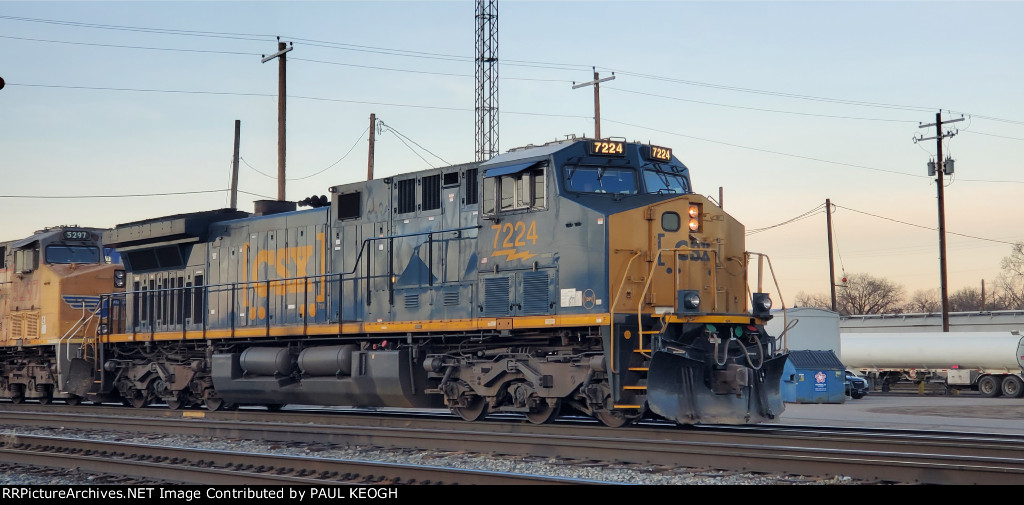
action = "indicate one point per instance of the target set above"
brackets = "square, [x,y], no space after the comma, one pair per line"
[659,153]
[76,235]
[608,147]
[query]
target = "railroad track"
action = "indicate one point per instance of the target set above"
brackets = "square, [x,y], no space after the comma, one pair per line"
[869,455]
[179,465]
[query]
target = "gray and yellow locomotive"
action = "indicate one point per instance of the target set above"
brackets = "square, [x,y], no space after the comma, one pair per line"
[582,275]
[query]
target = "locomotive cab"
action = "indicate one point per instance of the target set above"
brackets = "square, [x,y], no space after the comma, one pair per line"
[625,237]
[50,310]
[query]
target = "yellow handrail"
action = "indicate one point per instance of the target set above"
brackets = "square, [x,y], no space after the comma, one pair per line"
[615,303]
[675,294]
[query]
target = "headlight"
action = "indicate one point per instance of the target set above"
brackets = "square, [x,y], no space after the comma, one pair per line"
[762,304]
[119,277]
[689,300]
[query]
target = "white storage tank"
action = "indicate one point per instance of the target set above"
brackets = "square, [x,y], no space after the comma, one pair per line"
[934,350]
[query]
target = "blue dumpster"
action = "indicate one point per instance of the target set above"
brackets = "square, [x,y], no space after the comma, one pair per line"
[813,377]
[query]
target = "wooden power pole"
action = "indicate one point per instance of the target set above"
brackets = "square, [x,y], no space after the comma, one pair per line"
[597,99]
[281,50]
[937,169]
[831,262]
[234,166]
[369,163]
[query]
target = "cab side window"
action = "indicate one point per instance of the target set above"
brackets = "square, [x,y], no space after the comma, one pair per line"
[521,190]
[25,260]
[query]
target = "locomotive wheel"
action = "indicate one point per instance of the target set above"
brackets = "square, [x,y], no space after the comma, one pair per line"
[217,404]
[547,411]
[475,409]
[73,400]
[18,393]
[139,399]
[45,399]
[611,419]
[274,407]
[175,404]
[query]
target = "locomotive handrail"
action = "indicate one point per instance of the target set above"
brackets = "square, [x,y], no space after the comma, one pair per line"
[70,334]
[615,303]
[775,280]
[675,292]
[327,279]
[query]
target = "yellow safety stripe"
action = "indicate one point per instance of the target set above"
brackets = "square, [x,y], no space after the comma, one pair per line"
[463,325]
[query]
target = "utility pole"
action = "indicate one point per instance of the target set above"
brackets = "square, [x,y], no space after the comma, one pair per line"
[945,168]
[281,50]
[831,262]
[597,98]
[369,163]
[234,166]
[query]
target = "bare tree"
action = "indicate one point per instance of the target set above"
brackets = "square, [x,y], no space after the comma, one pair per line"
[965,300]
[865,294]
[817,301]
[1010,283]
[924,301]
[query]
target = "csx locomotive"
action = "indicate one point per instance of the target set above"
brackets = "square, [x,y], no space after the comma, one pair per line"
[578,276]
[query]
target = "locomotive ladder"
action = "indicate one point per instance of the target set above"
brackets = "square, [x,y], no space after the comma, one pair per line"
[79,329]
[633,383]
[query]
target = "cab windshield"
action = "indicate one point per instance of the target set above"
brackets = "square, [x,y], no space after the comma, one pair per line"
[620,181]
[660,181]
[72,254]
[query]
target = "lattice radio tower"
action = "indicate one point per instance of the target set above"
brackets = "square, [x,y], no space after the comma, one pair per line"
[486,79]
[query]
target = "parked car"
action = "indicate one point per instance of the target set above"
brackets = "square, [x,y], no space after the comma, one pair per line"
[856,387]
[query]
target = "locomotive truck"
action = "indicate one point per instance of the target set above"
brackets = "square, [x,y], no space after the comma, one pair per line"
[577,276]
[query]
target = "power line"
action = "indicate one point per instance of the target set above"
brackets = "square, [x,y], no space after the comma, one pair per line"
[922,226]
[119,46]
[805,215]
[403,139]
[461,58]
[758,108]
[135,195]
[769,151]
[465,109]
[361,135]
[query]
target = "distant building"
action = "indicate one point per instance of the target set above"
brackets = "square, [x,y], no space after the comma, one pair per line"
[998,320]
[810,329]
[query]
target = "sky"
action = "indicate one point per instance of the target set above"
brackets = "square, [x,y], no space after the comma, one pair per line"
[118,111]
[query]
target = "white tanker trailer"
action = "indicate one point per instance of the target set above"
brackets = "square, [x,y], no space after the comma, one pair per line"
[988,362]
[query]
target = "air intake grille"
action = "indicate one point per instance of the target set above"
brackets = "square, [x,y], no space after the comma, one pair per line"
[496,296]
[451,298]
[535,293]
[412,301]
